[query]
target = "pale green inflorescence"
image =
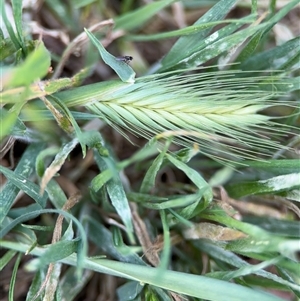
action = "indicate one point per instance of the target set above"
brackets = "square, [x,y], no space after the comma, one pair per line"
[219,112]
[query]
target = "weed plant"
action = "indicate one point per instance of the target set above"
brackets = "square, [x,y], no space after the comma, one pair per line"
[150,150]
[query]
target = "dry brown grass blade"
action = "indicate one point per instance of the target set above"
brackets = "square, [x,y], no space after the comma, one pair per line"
[50,287]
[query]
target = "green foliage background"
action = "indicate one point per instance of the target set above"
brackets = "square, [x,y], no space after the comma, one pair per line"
[206,208]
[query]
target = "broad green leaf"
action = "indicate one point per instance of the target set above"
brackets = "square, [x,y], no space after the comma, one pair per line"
[123,70]
[248,50]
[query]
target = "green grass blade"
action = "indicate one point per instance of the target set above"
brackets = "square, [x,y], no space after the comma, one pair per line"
[35,285]
[116,191]
[69,285]
[138,17]
[58,251]
[204,195]
[234,260]
[189,30]
[129,291]
[13,278]
[280,14]
[10,30]
[174,281]
[7,48]
[103,239]
[176,54]
[166,253]
[280,227]
[273,185]
[149,179]
[25,170]
[123,70]
[193,175]
[10,124]
[83,245]
[284,274]
[270,59]
[34,67]
[184,283]
[58,161]
[24,184]
[174,202]
[17,12]
[6,258]
[276,167]
[221,45]
[65,125]
[248,49]
[64,12]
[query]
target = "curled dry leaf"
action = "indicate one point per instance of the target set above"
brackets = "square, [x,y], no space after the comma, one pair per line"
[213,232]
